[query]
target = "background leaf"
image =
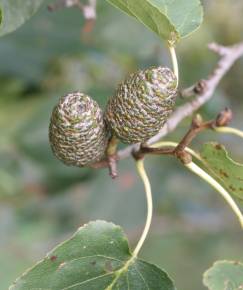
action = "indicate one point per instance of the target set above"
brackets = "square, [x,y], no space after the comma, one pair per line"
[224,275]
[14,13]
[96,257]
[0,15]
[228,172]
[169,19]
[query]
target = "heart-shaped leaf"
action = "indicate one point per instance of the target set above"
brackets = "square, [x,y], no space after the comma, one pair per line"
[97,257]
[170,19]
[228,172]
[14,13]
[224,275]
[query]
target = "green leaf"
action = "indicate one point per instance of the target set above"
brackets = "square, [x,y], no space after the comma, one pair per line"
[224,275]
[97,257]
[228,172]
[14,13]
[170,19]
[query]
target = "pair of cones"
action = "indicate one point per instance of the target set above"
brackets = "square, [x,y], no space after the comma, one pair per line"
[79,131]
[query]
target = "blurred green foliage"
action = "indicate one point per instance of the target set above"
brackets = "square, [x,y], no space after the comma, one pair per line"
[43,201]
[230,275]
[13,13]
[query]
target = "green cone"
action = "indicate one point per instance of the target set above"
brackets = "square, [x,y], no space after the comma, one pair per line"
[142,104]
[77,133]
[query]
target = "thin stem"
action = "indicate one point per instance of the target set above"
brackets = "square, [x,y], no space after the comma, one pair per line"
[229,130]
[112,146]
[201,173]
[174,144]
[144,177]
[174,63]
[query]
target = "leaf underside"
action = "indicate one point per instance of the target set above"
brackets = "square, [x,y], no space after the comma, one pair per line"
[96,257]
[224,275]
[170,19]
[228,172]
[14,13]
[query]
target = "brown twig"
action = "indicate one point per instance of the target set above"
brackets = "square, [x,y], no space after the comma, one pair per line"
[197,126]
[179,152]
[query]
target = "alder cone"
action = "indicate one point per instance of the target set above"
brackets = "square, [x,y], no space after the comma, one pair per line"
[142,104]
[77,133]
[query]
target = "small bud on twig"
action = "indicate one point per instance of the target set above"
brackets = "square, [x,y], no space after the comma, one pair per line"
[200,87]
[224,118]
[197,121]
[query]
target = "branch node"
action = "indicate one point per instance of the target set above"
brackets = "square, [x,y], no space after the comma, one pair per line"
[137,154]
[197,121]
[183,156]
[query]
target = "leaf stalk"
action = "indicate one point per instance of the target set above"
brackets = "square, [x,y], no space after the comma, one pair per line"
[229,130]
[149,199]
[174,63]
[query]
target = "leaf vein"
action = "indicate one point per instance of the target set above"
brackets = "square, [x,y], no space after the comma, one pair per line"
[87,281]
